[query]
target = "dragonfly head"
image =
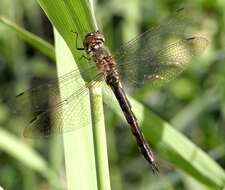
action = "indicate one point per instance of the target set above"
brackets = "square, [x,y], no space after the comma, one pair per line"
[93,41]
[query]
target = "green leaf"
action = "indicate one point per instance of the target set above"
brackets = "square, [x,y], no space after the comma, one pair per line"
[26,155]
[174,146]
[68,16]
[85,149]
[38,43]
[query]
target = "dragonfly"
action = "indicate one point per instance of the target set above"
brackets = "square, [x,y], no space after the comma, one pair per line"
[155,57]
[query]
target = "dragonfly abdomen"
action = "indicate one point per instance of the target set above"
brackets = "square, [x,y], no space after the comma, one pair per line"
[131,119]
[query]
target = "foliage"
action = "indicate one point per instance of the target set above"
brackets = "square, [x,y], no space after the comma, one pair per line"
[193,104]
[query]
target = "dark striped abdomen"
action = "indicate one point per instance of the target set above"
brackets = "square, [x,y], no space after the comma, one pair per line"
[131,119]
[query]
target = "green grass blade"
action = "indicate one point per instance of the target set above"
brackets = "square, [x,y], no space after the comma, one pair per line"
[174,146]
[78,145]
[26,155]
[83,153]
[192,110]
[69,16]
[38,43]
[12,144]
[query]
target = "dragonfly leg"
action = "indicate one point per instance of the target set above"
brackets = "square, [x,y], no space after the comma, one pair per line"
[84,57]
[76,40]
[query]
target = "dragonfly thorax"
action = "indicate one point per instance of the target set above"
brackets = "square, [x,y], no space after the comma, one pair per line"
[94,46]
[104,61]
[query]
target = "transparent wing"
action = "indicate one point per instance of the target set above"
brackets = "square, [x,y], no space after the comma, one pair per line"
[154,39]
[154,56]
[50,121]
[49,110]
[39,98]
[164,66]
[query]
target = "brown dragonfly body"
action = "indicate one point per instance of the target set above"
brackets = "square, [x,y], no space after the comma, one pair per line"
[93,45]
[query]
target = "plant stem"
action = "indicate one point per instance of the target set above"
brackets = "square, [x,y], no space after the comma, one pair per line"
[78,144]
[99,138]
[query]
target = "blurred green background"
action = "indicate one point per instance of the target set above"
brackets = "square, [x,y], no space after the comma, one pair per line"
[194,103]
